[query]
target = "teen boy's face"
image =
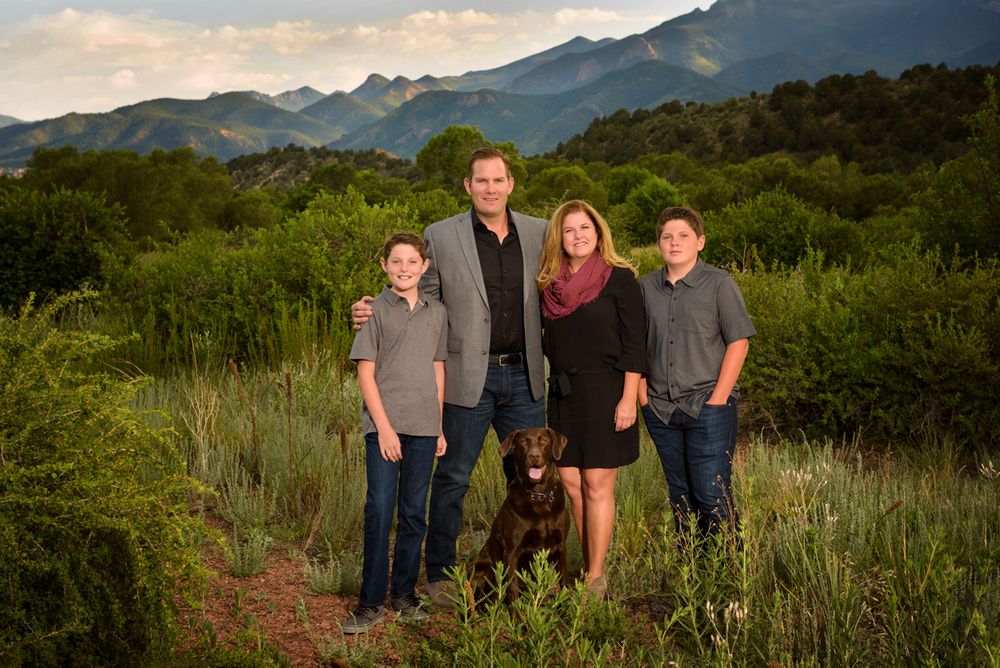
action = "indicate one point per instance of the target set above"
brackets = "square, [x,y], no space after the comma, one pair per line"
[404,267]
[679,245]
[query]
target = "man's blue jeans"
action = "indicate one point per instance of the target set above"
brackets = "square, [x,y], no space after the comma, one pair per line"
[697,460]
[506,403]
[390,483]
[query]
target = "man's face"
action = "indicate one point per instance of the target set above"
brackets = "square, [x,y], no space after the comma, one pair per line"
[489,187]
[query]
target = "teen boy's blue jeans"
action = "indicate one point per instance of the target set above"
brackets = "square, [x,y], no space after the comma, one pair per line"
[697,459]
[506,403]
[390,483]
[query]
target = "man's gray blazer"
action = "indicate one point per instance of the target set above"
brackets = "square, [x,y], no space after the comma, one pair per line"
[455,277]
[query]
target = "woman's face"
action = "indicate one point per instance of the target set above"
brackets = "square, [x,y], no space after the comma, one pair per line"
[579,238]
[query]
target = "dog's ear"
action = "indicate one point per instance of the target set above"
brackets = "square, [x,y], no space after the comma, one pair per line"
[558,443]
[508,443]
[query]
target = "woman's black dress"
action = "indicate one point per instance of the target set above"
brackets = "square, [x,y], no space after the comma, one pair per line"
[589,352]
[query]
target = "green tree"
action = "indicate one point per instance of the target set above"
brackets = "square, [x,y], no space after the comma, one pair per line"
[778,227]
[647,201]
[621,181]
[444,159]
[163,193]
[251,209]
[558,184]
[961,208]
[55,242]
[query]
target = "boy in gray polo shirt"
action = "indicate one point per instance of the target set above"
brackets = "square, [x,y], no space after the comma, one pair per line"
[697,332]
[400,353]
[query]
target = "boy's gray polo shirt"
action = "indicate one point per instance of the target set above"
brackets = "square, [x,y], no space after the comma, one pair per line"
[688,326]
[404,346]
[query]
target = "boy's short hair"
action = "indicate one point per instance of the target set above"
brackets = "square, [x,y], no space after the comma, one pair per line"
[486,153]
[690,216]
[408,238]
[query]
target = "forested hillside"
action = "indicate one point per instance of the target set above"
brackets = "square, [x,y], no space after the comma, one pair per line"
[884,125]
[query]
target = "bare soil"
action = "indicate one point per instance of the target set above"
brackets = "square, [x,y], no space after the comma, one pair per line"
[267,608]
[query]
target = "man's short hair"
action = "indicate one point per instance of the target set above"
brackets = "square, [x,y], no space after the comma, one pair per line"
[408,238]
[692,217]
[486,153]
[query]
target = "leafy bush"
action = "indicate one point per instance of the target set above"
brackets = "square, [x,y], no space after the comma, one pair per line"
[778,227]
[909,346]
[257,296]
[95,540]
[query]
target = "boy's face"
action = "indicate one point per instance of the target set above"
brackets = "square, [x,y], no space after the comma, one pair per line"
[404,267]
[679,245]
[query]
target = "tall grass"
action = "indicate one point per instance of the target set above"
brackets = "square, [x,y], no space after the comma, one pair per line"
[847,557]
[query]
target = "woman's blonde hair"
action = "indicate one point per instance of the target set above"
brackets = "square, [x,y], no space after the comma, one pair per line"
[552,250]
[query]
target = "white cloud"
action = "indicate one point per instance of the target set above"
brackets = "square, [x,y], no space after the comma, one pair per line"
[569,17]
[123,79]
[96,60]
[450,20]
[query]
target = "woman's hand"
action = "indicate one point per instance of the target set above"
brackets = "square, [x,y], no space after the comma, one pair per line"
[625,414]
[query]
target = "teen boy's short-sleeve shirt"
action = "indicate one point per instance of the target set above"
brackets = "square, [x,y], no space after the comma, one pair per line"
[688,326]
[404,345]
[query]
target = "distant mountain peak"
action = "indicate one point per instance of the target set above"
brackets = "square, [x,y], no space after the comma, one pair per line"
[370,88]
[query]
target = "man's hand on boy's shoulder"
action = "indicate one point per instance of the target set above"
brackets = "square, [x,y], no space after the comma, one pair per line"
[361,310]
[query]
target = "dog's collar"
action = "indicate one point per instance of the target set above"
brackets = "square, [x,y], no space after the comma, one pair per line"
[538,497]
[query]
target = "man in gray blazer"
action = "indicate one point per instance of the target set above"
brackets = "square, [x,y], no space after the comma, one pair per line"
[483,268]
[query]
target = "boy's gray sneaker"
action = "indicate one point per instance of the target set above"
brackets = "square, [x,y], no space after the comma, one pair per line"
[440,593]
[363,619]
[409,608]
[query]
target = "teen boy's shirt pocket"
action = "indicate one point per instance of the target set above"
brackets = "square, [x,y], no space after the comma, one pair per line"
[699,317]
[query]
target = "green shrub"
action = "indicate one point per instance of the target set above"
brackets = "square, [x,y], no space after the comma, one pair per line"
[247,555]
[778,227]
[95,539]
[908,347]
[263,296]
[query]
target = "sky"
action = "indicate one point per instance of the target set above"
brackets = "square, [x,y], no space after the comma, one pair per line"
[97,55]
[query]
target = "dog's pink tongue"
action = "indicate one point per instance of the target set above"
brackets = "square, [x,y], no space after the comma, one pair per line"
[535,473]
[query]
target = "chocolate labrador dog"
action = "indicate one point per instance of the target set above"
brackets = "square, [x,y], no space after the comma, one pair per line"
[533,516]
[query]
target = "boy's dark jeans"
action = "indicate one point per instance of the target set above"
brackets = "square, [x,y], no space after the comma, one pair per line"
[405,482]
[697,460]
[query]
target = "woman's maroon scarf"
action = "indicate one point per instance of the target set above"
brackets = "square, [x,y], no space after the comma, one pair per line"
[567,291]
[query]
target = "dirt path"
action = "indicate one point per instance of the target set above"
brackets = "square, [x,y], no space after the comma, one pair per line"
[275,607]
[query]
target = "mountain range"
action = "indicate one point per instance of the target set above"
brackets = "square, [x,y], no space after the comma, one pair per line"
[728,50]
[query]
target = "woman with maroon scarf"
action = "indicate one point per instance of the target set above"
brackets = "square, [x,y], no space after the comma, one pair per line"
[594,338]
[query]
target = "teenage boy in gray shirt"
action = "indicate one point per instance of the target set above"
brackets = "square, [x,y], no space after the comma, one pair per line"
[400,353]
[697,332]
